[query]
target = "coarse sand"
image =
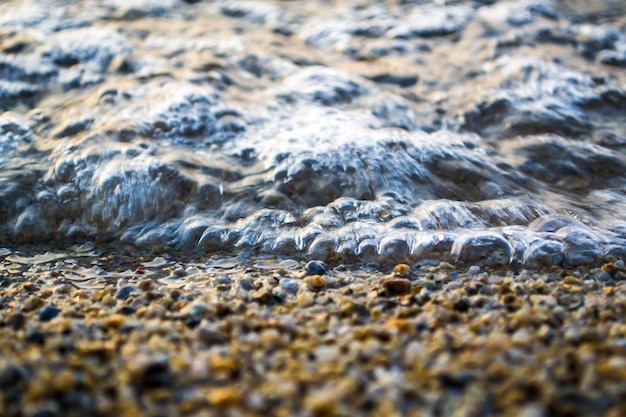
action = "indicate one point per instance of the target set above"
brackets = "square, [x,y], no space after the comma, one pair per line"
[83,334]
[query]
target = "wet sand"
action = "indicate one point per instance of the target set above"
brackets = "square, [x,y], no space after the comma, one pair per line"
[156,336]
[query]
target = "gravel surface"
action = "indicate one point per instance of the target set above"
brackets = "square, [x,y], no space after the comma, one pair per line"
[123,335]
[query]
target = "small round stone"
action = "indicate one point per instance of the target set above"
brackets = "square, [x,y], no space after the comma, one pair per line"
[36,337]
[306,299]
[145,284]
[48,313]
[397,286]
[127,310]
[124,292]
[108,301]
[315,282]
[316,268]
[209,336]
[246,284]
[402,270]
[32,303]
[114,321]
[223,397]
[289,285]
[16,321]
[610,268]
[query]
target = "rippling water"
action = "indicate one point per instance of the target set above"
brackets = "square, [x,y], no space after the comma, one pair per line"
[476,131]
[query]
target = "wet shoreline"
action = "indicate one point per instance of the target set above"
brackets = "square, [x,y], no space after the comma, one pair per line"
[312,208]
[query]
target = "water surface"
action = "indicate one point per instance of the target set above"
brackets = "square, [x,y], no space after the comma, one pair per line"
[476,131]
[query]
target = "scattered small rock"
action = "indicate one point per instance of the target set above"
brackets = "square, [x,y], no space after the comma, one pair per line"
[315,282]
[124,292]
[316,268]
[48,313]
[397,286]
[402,270]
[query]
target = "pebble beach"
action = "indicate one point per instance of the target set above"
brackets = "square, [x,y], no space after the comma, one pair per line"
[158,337]
[312,208]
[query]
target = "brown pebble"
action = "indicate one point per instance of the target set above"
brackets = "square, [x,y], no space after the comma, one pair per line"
[397,286]
[32,303]
[511,301]
[262,295]
[306,299]
[115,321]
[224,396]
[402,325]
[321,403]
[402,270]
[610,268]
[446,265]
[315,282]
[145,284]
[96,348]
[220,363]
[609,291]
[99,295]
[208,335]
[64,380]
[64,289]
[572,280]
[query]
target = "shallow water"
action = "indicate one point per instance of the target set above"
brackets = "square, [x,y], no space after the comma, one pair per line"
[485,132]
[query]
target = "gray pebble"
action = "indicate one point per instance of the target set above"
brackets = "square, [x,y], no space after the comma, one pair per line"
[48,313]
[124,292]
[290,285]
[316,268]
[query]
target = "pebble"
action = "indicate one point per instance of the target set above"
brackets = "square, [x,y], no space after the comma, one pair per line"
[145,284]
[115,321]
[36,337]
[604,277]
[246,284]
[150,373]
[127,310]
[429,284]
[48,312]
[108,301]
[402,270]
[610,268]
[397,286]
[16,321]
[124,292]
[290,285]
[315,282]
[224,279]
[316,268]
[263,296]
[305,299]
[32,303]
[196,308]
[223,397]
[209,335]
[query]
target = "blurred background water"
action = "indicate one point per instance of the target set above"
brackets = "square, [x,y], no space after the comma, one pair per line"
[479,131]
